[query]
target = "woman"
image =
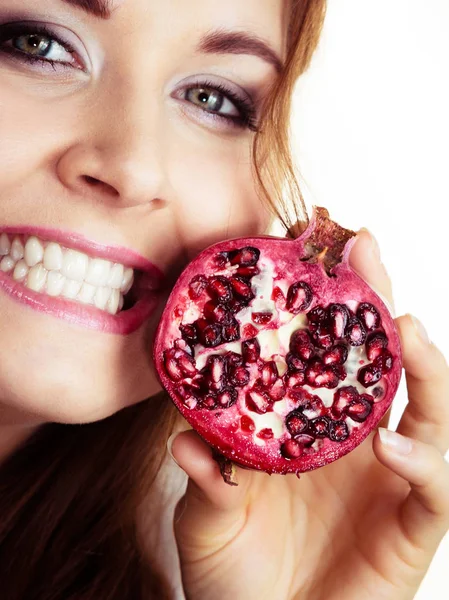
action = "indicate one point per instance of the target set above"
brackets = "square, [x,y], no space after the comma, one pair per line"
[121,122]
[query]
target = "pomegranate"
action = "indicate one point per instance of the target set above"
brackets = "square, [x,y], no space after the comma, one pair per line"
[276,352]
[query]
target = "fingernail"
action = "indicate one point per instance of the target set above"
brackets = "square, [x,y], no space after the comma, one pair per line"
[170,441]
[395,441]
[373,242]
[420,330]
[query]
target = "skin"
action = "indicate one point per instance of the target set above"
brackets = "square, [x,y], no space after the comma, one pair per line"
[155,161]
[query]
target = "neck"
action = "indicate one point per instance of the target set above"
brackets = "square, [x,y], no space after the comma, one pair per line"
[15,429]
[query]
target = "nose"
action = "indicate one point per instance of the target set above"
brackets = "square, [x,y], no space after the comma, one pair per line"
[116,154]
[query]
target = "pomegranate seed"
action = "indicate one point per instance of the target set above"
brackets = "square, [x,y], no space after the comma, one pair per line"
[301,344]
[231,331]
[197,286]
[187,365]
[251,350]
[338,317]
[299,297]
[233,359]
[261,318]
[209,401]
[356,332]
[247,424]
[294,380]
[220,289]
[249,331]
[239,377]
[328,378]
[269,373]
[314,369]
[342,398]
[277,390]
[189,333]
[214,371]
[322,338]
[172,365]
[245,257]
[266,434]
[369,375]
[305,440]
[295,363]
[359,409]
[339,371]
[278,296]
[258,401]
[337,355]
[208,333]
[318,315]
[314,408]
[247,271]
[215,312]
[320,427]
[375,344]
[338,431]
[227,397]
[291,449]
[242,288]
[235,306]
[384,361]
[296,422]
[190,401]
[369,316]
[221,259]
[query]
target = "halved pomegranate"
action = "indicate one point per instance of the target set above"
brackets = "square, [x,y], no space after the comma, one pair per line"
[276,352]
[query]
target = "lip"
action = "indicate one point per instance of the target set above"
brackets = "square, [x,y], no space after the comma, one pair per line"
[150,281]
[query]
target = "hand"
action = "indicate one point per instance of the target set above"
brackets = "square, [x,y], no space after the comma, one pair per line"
[365,527]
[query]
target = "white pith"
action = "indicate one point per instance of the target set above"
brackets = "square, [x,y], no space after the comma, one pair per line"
[47,267]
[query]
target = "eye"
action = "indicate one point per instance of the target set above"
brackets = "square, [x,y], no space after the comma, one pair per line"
[212,100]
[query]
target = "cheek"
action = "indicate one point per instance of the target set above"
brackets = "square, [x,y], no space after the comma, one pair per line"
[215,195]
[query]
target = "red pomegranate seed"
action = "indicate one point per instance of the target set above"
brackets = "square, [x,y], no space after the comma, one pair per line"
[322,338]
[245,257]
[269,373]
[295,379]
[266,434]
[359,409]
[209,333]
[301,344]
[258,401]
[291,449]
[369,316]
[172,365]
[220,289]
[249,331]
[221,259]
[384,361]
[197,286]
[215,312]
[314,408]
[338,319]
[278,296]
[189,333]
[299,297]
[338,431]
[320,427]
[295,363]
[231,331]
[247,272]
[247,424]
[242,288]
[261,318]
[209,402]
[296,422]
[339,371]
[215,370]
[337,355]
[277,390]
[342,398]
[328,378]
[187,365]
[369,375]
[355,332]
[233,359]
[375,344]
[239,377]
[314,369]
[318,315]
[251,350]
[227,397]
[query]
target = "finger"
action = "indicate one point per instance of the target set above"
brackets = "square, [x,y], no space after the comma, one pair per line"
[365,260]
[424,515]
[427,414]
[212,512]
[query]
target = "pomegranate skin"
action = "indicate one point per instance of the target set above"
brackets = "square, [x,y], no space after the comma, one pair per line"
[247,424]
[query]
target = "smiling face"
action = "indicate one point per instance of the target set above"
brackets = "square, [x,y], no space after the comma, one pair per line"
[125,145]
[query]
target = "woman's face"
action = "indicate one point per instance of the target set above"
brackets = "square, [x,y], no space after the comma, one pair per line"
[125,139]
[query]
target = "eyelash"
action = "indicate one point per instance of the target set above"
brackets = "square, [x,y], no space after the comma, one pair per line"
[246,108]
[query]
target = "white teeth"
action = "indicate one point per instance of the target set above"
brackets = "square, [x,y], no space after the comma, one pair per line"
[17,250]
[121,302]
[34,251]
[5,245]
[127,281]
[55,283]
[71,289]
[7,264]
[98,272]
[75,265]
[113,302]
[101,297]
[116,276]
[37,277]
[53,257]
[87,293]
[20,271]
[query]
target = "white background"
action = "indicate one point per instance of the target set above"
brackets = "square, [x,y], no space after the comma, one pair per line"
[371,129]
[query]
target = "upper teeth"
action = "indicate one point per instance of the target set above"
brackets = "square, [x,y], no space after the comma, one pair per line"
[48,267]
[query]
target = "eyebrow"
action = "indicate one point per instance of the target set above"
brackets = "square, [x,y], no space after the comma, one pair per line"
[98,8]
[237,42]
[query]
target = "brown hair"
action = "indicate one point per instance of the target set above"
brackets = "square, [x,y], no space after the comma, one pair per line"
[70,495]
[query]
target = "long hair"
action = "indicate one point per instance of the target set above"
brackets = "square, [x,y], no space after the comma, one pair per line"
[70,495]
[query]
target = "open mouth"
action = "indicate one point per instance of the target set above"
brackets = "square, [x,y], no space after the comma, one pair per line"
[49,268]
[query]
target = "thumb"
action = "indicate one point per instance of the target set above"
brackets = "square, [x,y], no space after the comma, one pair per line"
[211,513]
